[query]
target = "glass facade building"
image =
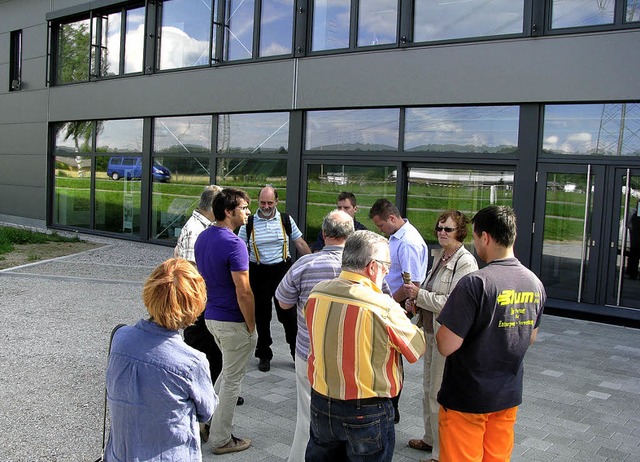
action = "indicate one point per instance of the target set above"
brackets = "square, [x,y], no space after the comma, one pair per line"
[117,113]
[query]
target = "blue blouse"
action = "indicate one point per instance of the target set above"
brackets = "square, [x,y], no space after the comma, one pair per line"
[158,389]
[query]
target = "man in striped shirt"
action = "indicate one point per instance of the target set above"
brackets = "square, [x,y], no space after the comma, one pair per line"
[294,290]
[357,335]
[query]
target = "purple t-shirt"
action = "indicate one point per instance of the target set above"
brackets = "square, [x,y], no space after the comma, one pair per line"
[218,253]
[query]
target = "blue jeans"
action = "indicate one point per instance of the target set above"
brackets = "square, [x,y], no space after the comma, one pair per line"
[354,430]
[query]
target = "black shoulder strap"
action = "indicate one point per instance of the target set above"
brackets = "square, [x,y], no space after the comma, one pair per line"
[286,221]
[249,228]
[104,412]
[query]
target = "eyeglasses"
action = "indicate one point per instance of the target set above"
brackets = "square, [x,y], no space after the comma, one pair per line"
[385,264]
[446,229]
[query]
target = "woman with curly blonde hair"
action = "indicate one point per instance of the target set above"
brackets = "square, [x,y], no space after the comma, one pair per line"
[158,387]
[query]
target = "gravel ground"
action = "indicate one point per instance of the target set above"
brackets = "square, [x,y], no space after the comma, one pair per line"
[58,316]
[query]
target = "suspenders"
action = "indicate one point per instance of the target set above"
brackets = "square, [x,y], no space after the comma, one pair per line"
[285,234]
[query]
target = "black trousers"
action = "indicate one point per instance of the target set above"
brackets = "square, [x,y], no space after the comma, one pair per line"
[199,337]
[264,280]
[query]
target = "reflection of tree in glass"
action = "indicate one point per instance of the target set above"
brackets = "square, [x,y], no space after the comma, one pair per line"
[80,133]
[73,52]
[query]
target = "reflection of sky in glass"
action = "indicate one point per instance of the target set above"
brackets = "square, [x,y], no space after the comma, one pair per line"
[276,27]
[592,129]
[462,129]
[111,40]
[185,33]
[134,46]
[451,19]
[120,135]
[252,132]
[330,24]
[577,13]
[239,43]
[347,130]
[182,134]
[377,22]
[633,10]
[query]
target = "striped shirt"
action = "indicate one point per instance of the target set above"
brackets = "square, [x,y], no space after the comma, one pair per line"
[357,335]
[269,239]
[295,287]
[190,232]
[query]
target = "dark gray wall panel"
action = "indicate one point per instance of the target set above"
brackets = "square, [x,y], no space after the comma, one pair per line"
[29,202]
[22,138]
[19,14]
[24,106]
[33,73]
[249,87]
[576,68]
[5,40]
[4,82]
[23,170]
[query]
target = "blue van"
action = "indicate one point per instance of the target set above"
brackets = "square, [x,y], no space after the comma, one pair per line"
[131,168]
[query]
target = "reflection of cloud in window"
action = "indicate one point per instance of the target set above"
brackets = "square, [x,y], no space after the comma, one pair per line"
[179,50]
[183,132]
[580,142]
[467,18]
[377,22]
[497,126]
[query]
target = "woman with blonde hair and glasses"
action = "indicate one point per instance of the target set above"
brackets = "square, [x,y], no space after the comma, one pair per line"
[449,265]
[158,387]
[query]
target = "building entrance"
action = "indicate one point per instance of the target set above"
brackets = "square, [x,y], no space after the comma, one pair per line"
[586,241]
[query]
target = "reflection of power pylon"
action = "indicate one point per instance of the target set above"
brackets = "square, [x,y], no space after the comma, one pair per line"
[224,145]
[619,133]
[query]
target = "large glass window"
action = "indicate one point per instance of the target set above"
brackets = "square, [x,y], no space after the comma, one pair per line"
[439,20]
[117,203]
[433,190]
[276,27]
[592,129]
[326,181]
[253,133]
[180,170]
[184,33]
[134,40]
[177,185]
[633,11]
[72,52]
[119,136]
[352,130]
[490,129]
[331,22]
[377,22]
[580,13]
[239,29]
[72,174]
[252,175]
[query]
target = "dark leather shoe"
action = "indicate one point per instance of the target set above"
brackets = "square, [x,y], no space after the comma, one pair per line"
[420,445]
[240,401]
[264,365]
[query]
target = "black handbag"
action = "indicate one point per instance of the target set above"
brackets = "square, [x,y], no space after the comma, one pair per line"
[104,411]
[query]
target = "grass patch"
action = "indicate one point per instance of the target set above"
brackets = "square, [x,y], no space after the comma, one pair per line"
[12,236]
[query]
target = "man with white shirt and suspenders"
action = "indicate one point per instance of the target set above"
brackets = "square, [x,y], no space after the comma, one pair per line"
[268,235]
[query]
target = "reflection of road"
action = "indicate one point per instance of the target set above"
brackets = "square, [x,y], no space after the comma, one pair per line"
[571,249]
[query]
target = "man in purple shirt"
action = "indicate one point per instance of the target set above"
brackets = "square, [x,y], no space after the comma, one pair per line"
[223,262]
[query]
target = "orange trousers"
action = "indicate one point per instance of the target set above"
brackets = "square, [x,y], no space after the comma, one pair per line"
[476,437]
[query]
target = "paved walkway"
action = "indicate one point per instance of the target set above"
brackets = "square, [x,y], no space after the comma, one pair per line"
[582,379]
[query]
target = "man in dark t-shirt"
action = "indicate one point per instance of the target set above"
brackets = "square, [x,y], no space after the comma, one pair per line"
[487,325]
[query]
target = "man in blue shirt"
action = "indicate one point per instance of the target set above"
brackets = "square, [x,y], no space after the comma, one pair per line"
[223,261]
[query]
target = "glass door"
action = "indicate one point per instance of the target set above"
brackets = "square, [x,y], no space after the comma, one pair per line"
[567,230]
[624,257]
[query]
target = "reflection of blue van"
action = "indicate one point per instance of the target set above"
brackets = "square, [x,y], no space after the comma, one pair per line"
[131,167]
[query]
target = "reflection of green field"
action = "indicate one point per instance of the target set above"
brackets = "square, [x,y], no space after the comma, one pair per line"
[564,220]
